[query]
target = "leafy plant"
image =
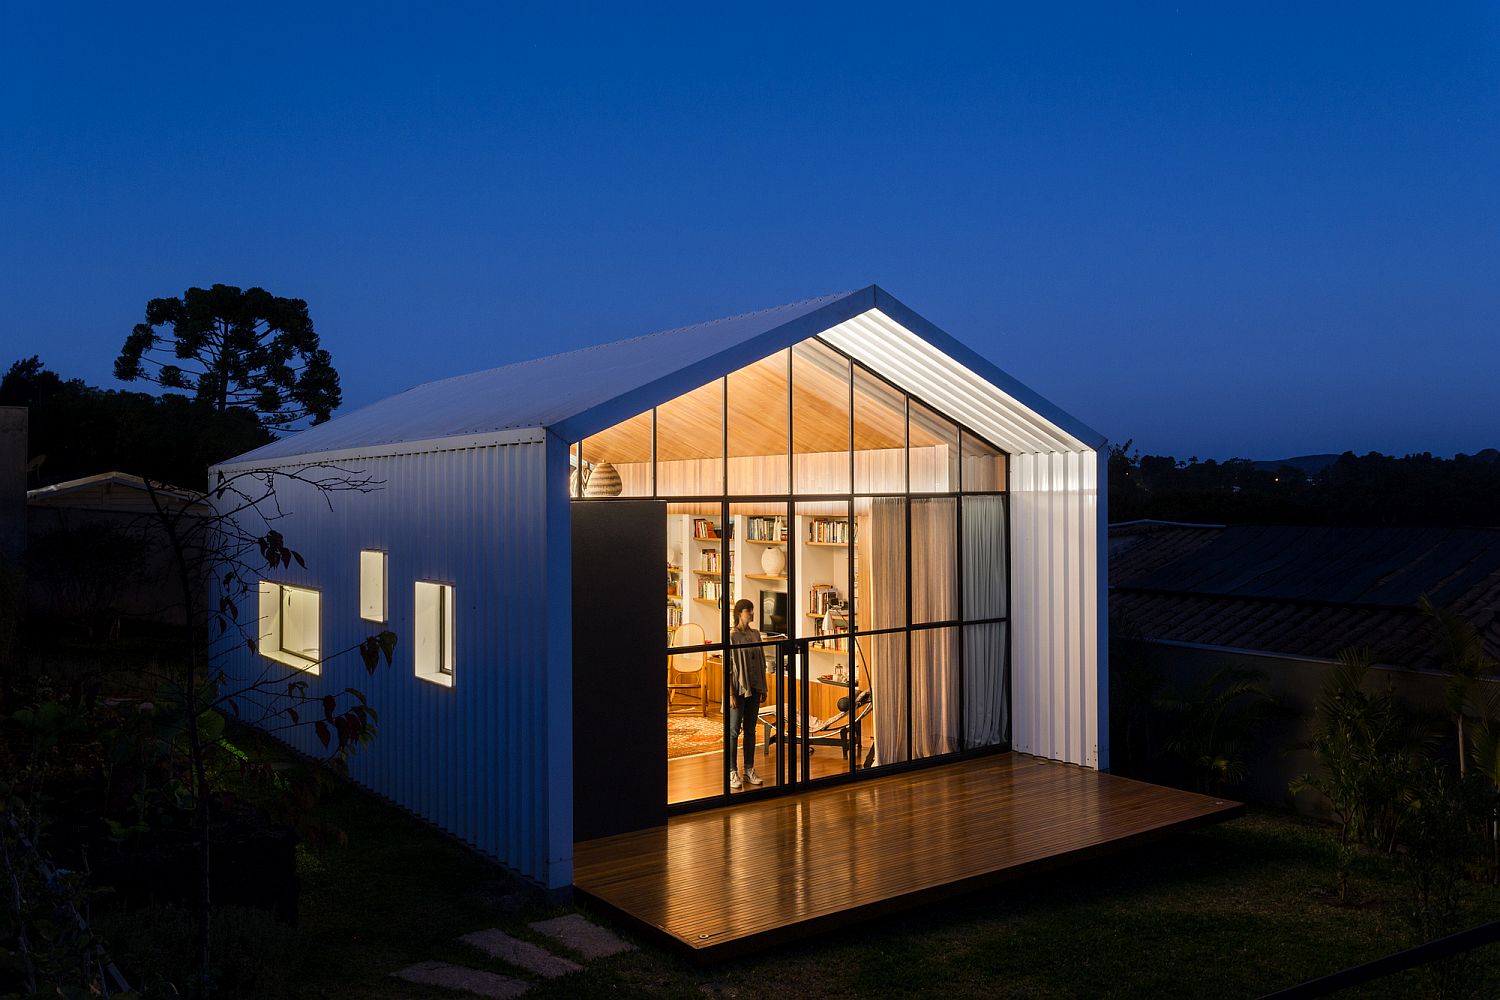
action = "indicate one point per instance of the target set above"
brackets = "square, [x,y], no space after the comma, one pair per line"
[172,758]
[1370,752]
[1463,658]
[48,941]
[1215,722]
[1439,838]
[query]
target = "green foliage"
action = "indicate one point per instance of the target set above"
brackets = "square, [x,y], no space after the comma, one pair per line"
[1370,751]
[1443,833]
[1461,655]
[1370,489]
[1215,721]
[235,349]
[78,430]
[87,569]
[47,944]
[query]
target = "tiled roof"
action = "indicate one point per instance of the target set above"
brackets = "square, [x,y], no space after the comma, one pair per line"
[1302,591]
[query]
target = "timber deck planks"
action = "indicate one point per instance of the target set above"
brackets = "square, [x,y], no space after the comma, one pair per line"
[738,878]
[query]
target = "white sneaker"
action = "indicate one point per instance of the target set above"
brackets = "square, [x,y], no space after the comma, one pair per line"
[734,779]
[752,777]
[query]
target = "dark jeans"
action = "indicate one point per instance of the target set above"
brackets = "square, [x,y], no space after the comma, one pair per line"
[744,715]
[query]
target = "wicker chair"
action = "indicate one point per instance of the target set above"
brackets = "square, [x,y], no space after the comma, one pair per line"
[687,673]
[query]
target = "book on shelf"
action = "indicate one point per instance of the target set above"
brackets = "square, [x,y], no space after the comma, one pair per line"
[822,597]
[766,529]
[710,590]
[711,563]
[704,528]
[828,531]
[674,616]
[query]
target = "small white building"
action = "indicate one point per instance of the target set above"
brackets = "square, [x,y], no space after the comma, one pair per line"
[560,545]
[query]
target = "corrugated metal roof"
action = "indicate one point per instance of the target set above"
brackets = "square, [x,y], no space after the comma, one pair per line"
[585,391]
[1389,567]
[109,490]
[1303,591]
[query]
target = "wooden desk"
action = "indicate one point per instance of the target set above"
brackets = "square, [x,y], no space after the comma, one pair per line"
[822,696]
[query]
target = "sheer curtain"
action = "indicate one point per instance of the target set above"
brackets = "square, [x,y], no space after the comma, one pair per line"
[986,705]
[882,560]
[935,668]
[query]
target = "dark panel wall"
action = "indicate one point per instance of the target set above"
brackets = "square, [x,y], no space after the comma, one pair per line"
[619,667]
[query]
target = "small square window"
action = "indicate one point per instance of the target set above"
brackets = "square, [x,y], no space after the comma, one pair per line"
[291,625]
[372,585]
[434,632]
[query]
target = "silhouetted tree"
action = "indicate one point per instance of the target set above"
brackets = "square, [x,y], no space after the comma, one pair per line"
[1373,489]
[233,348]
[78,430]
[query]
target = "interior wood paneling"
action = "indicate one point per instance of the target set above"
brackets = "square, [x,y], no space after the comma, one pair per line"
[690,426]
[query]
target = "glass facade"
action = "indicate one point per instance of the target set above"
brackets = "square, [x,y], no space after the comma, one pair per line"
[837,573]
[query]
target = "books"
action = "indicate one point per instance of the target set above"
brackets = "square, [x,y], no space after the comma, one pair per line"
[822,597]
[765,529]
[828,531]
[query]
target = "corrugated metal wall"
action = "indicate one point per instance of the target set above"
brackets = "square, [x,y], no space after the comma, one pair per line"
[1059,655]
[478,759]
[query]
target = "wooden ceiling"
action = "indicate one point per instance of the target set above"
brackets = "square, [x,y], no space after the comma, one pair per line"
[690,426]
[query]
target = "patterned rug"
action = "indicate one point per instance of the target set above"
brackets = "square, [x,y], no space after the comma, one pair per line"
[690,734]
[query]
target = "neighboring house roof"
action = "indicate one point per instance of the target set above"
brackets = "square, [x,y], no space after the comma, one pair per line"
[109,491]
[1302,591]
[586,391]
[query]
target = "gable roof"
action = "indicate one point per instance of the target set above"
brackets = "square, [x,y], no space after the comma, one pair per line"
[581,392]
[1303,591]
[117,491]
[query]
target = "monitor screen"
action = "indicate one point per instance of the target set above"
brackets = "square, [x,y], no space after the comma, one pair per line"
[773,611]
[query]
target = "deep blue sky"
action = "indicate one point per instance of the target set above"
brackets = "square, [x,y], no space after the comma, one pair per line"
[1259,231]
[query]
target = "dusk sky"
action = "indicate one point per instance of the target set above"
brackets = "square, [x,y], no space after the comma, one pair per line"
[1263,231]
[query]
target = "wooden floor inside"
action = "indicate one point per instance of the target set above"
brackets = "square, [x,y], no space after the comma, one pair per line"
[702,775]
[760,872]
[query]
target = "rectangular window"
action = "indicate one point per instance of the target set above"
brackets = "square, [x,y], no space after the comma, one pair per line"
[372,585]
[291,625]
[434,632]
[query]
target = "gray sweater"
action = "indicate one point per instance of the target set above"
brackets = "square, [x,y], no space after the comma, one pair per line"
[747,667]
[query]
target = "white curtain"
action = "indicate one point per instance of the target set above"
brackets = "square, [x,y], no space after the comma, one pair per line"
[986,706]
[882,559]
[934,587]
[934,691]
[934,560]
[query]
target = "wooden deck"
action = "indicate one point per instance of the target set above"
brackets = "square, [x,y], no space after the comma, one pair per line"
[743,877]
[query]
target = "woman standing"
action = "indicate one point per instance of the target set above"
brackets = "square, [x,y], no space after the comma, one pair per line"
[747,688]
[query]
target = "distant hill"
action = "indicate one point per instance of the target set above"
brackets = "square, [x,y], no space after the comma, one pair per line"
[1310,465]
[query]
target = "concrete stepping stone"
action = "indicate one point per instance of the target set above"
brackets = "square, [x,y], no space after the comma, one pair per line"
[523,954]
[463,980]
[577,932]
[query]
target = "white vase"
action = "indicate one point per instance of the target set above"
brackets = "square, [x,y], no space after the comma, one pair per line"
[773,560]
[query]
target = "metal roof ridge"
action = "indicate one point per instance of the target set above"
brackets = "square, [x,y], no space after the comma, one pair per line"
[624,340]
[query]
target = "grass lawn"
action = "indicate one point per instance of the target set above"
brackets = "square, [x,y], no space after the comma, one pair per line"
[1230,911]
